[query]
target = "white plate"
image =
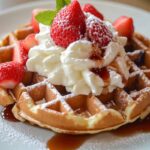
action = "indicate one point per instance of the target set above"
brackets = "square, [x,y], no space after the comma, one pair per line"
[19,136]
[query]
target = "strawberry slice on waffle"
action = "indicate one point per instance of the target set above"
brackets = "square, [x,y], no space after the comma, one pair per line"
[11,73]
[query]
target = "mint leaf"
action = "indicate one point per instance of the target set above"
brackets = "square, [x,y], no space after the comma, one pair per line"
[60,4]
[46,17]
[67,2]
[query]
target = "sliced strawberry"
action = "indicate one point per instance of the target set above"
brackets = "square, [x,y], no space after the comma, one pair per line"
[11,73]
[91,9]
[29,42]
[98,32]
[34,22]
[69,25]
[124,26]
[20,55]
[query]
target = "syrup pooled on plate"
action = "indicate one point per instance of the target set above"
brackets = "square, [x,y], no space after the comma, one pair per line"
[66,142]
[7,113]
[73,142]
[139,126]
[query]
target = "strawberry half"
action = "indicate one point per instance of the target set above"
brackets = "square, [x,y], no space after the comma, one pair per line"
[124,26]
[20,55]
[34,22]
[98,32]
[69,25]
[29,42]
[11,73]
[91,9]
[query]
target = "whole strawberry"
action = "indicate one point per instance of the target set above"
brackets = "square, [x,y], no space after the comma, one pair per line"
[98,32]
[69,25]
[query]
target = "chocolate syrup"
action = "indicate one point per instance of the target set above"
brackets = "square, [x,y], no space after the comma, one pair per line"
[7,113]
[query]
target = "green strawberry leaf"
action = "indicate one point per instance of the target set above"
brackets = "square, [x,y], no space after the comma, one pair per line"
[46,17]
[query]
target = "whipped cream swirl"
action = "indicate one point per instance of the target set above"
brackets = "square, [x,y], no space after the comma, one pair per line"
[70,67]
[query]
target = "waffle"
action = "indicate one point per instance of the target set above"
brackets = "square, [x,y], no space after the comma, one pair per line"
[49,106]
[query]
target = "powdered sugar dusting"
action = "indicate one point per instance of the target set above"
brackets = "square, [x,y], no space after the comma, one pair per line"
[98,31]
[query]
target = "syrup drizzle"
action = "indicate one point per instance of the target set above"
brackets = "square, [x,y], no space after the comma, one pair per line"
[139,126]
[7,113]
[103,73]
[66,142]
[95,56]
[73,142]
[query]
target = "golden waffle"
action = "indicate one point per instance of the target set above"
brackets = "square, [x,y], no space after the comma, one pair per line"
[50,106]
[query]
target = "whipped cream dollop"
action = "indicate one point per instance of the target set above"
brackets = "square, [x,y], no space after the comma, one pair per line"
[70,67]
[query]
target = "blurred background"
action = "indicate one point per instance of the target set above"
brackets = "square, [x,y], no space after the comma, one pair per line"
[143,4]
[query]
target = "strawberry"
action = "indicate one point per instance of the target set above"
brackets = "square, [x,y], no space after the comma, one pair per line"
[29,42]
[34,22]
[98,32]
[69,25]
[11,73]
[124,26]
[20,55]
[91,9]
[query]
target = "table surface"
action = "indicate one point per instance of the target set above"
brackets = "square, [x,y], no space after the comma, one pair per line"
[143,4]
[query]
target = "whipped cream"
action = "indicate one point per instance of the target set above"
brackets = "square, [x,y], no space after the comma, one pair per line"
[70,67]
